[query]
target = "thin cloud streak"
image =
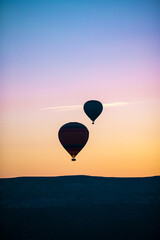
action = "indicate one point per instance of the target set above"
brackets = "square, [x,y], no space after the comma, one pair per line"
[76,107]
[73,107]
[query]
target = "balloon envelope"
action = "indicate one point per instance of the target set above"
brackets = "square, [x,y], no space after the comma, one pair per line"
[93,109]
[73,137]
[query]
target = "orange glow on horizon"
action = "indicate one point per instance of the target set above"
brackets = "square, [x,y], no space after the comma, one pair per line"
[124,142]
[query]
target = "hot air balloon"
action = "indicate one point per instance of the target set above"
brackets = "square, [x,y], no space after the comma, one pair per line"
[93,109]
[73,136]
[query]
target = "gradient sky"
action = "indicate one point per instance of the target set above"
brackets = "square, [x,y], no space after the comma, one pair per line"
[63,53]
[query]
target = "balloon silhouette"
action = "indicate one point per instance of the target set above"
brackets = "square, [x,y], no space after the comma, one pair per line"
[73,136]
[93,109]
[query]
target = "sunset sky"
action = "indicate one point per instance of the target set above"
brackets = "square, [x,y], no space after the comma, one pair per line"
[58,54]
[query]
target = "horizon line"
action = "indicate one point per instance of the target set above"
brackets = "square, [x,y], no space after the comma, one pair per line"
[150,176]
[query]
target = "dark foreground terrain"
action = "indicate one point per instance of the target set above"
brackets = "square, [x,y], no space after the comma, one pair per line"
[80,207]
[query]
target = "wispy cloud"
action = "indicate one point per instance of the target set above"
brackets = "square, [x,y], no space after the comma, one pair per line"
[115,104]
[61,108]
[76,107]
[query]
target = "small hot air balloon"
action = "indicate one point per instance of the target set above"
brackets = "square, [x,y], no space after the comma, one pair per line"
[73,137]
[93,109]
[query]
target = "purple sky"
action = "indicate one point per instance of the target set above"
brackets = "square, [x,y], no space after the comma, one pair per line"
[60,53]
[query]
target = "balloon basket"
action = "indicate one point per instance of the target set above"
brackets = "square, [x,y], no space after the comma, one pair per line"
[73,159]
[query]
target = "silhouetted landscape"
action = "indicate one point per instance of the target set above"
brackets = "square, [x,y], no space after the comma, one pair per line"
[80,207]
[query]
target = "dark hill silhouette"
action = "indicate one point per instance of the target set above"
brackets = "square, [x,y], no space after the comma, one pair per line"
[80,207]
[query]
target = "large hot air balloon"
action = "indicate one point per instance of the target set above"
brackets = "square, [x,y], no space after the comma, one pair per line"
[93,109]
[73,137]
